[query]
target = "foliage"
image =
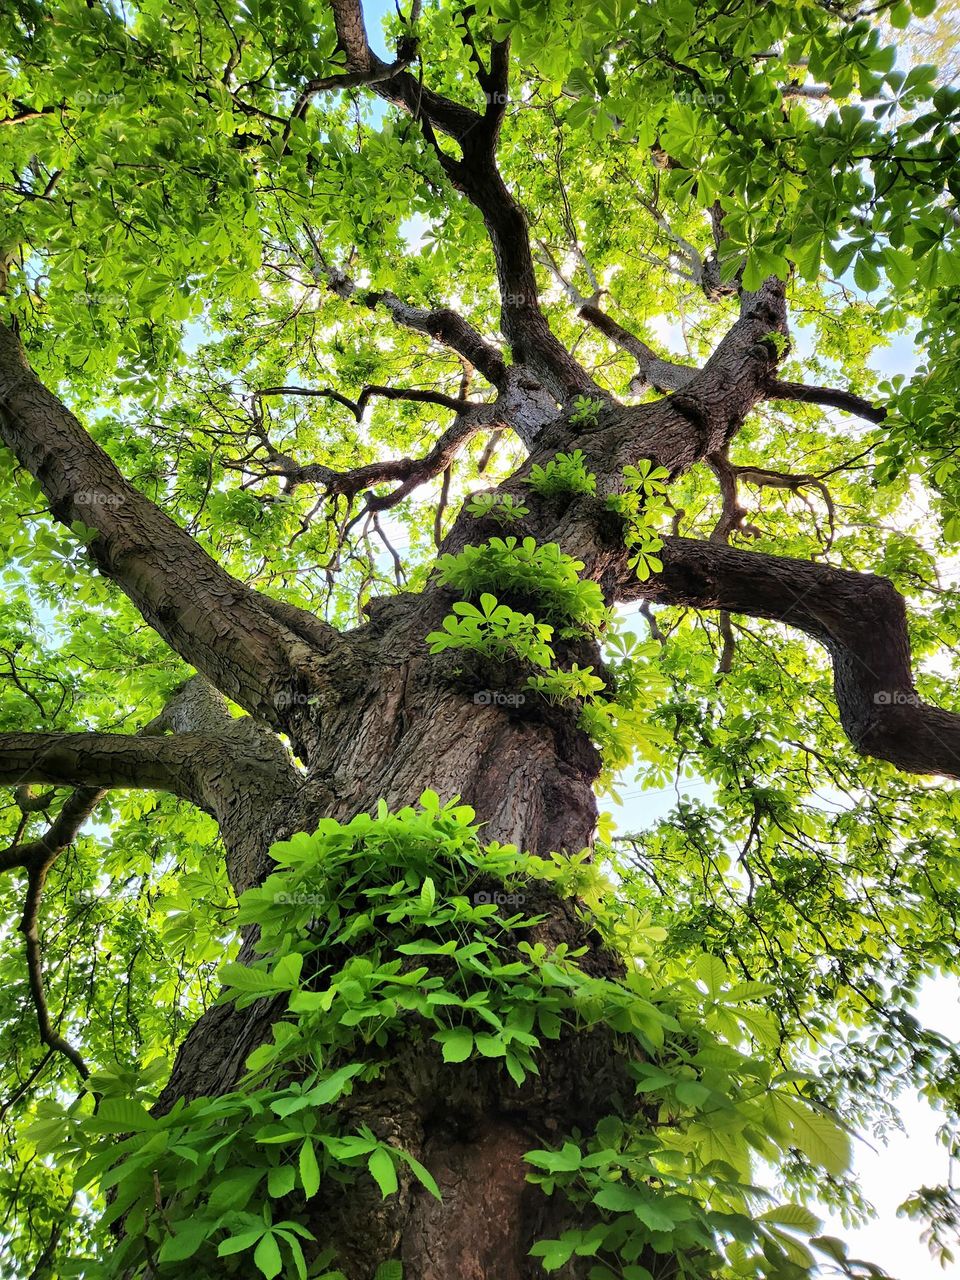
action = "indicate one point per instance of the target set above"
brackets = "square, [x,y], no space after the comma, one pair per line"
[586,412]
[620,726]
[641,505]
[541,572]
[922,420]
[566,686]
[153,246]
[884,144]
[499,506]
[494,630]
[564,474]
[376,934]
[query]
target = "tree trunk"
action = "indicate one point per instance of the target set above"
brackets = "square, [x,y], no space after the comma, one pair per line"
[528,771]
[529,776]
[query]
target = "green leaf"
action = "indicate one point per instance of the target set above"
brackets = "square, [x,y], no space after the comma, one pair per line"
[282,1180]
[309,1169]
[389,1271]
[240,1242]
[383,1170]
[791,1215]
[188,1238]
[267,1256]
[457,1043]
[423,1175]
[816,1135]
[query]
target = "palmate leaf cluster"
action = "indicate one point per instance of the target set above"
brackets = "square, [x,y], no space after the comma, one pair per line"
[612,709]
[403,931]
[523,568]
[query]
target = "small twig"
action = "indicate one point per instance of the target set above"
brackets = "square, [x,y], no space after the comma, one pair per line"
[441,507]
[29,929]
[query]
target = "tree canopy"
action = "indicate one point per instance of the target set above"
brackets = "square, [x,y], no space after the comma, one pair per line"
[555,311]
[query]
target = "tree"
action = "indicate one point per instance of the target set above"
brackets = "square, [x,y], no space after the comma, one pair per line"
[276,302]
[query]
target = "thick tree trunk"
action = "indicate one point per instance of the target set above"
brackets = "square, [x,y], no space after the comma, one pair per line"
[529,773]
[529,777]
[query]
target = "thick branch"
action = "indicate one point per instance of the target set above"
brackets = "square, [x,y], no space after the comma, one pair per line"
[410,472]
[400,88]
[440,323]
[476,174]
[102,760]
[859,618]
[216,623]
[828,396]
[76,809]
[358,406]
[732,514]
[29,927]
[652,370]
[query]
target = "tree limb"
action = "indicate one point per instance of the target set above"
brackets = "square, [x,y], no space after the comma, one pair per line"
[859,618]
[829,396]
[476,174]
[37,858]
[23,113]
[29,927]
[358,406]
[652,370]
[204,763]
[410,472]
[440,323]
[75,811]
[217,624]
[102,760]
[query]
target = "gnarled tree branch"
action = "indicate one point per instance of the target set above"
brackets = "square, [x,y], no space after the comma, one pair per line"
[859,618]
[409,472]
[103,760]
[358,406]
[442,324]
[652,370]
[828,396]
[476,174]
[215,622]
